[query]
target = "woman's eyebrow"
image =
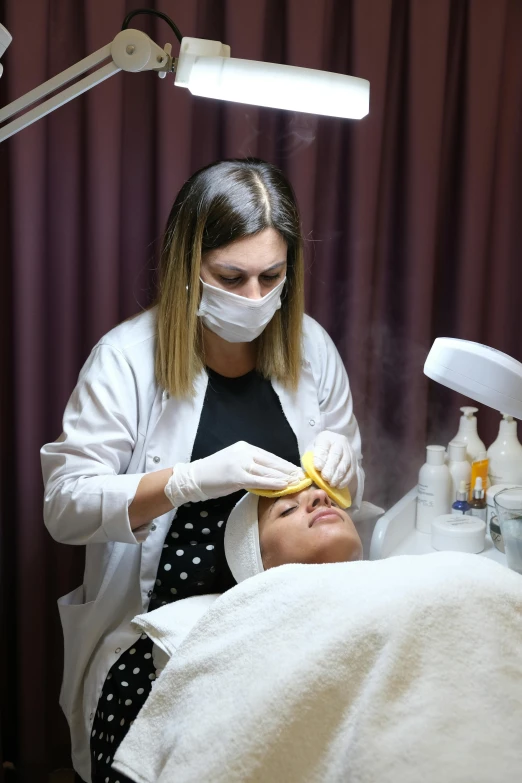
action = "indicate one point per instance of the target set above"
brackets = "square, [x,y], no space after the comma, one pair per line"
[229,267]
[232,268]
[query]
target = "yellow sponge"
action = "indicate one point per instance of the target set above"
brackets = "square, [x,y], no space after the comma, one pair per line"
[279,493]
[340,496]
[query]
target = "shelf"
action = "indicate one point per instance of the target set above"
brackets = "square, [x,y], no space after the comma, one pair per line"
[395,534]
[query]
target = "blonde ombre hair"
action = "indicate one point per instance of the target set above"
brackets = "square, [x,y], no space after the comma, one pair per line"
[218,205]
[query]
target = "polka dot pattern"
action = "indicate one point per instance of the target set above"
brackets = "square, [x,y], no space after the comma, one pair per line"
[187,567]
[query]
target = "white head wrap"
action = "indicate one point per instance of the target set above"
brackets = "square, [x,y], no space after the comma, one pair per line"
[242,549]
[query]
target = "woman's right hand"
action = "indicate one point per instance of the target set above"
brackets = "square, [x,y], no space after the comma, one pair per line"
[240,466]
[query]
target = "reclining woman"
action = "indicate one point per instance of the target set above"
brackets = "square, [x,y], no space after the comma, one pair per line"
[321,666]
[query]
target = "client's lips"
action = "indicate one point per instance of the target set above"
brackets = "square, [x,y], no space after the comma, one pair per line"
[326,514]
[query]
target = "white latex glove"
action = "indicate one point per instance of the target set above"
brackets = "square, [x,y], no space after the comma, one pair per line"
[241,466]
[334,458]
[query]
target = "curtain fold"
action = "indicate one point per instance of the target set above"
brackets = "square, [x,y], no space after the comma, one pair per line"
[411,218]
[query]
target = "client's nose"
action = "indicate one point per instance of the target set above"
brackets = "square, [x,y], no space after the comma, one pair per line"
[318,497]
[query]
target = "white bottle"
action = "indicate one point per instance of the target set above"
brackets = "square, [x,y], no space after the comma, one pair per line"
[459,467]
[468,433]
[505,454]
[434,488]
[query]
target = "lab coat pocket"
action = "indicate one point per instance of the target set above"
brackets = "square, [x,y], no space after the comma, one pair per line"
[75,616]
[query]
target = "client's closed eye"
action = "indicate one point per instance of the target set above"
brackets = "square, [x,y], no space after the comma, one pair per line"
[288,511]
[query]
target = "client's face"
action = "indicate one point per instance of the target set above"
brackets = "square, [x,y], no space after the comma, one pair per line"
[307,527]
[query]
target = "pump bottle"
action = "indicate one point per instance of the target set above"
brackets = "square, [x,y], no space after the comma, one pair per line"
[434,488]
[468,433]
[505,454]
[459,467]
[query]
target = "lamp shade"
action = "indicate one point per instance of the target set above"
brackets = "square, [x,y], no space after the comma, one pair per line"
[212,73]
[477,371]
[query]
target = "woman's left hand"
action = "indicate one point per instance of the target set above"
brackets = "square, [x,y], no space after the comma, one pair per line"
[334,458]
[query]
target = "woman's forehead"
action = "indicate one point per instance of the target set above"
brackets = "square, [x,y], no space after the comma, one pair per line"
[266,247]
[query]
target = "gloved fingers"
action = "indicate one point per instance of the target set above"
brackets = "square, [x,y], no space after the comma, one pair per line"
[345,472]
[293,477]
[264,482]
[335,462]
[297,478]
[320,449]
[264,460]
[349,477]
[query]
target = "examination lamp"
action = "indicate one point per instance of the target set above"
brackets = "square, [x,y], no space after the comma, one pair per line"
[477,371]
[204,67]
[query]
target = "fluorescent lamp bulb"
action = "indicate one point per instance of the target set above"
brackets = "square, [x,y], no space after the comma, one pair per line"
[207,70]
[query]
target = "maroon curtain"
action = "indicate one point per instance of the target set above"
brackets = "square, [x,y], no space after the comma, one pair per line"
[412,218]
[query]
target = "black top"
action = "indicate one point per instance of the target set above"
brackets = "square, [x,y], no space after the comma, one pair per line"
[245,408]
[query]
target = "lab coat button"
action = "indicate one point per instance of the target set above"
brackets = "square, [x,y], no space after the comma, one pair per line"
[312,422]
[153,526]
[149,593]
[117,650]
[156,459]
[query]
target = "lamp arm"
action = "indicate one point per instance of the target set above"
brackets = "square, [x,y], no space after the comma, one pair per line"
[131,50]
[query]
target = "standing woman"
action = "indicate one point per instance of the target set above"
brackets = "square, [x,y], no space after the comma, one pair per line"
[217,388]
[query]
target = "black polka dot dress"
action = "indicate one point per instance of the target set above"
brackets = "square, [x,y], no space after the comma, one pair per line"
[192,561]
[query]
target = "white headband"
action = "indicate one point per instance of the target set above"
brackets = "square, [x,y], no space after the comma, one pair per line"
[242,549]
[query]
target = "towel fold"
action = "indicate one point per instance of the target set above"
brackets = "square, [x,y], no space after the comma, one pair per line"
[169,625]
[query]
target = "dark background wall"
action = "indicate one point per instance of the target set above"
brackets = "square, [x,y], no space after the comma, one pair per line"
[412,220]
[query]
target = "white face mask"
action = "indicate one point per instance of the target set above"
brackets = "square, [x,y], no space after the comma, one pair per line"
[237,319]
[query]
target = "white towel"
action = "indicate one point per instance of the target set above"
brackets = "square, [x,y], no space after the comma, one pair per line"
[395,671]
[169,625]
[242,548]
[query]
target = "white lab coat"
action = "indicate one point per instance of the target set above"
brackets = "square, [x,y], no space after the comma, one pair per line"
[118,425]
